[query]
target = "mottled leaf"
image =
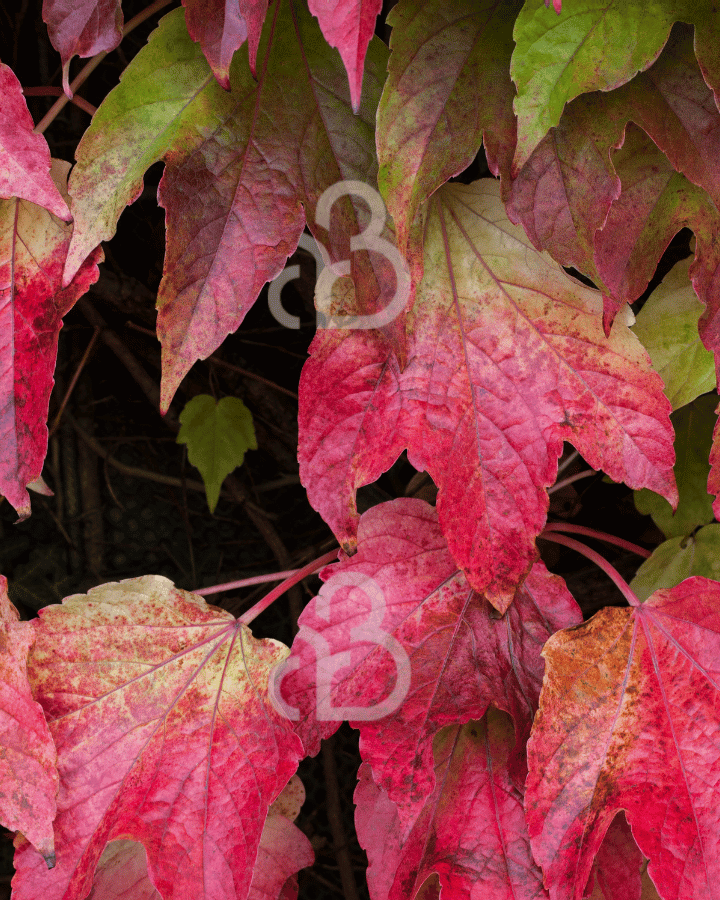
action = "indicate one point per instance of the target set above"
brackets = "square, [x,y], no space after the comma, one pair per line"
[217,435]
[470,832]
[589,46]
[24,156]
[506,360]
[82,28]
[33,246]
[221,27]
[28,774]
[448,89]
[158,707]
[449,658]
[348,25]
[628,720]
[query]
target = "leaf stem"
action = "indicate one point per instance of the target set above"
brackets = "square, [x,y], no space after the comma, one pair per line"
[254,611]
[90,67]
[608,569]
[586,473]
[600,536]
[245,582]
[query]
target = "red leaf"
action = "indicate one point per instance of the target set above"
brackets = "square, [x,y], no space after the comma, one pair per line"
[471,831]
[453,656]
[83,28]
[617,865]
[122,872]
[158,707]
[33,247]
[24,156]
[239,191]
[221,27]
[28,773]
[506,360]
[448,90]
[349,26]
[628,720]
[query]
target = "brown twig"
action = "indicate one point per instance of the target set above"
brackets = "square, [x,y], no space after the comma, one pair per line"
[71,386]
[334,812]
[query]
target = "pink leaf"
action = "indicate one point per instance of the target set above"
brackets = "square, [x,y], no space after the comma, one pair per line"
[83,28]
[616,871]
[349,26]
[470,832]
[158,707]
[453,656]
[33,248]
[628,720]
[506,360]
[221,27]
[24,156]
[28,774]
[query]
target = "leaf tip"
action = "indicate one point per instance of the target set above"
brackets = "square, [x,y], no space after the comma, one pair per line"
[49,860]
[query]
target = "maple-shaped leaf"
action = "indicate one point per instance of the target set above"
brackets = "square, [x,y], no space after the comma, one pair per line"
[28,773]
[245,169]
[629,719]
[24,155]
[506,360]
[158,707]
[679,558]
[693,426]
[221,27]
[448,90]
[590,46]
[217,435]
[33,246]
[447,655]
[667,325]
[122,872]
[470,832]
[616,871]
[84,29]
[349,26]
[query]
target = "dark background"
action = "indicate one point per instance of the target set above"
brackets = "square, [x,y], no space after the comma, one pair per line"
[105,524]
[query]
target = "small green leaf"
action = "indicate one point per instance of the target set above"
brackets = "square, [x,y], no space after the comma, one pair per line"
[678,559]
[667,326]
[693,438]
[217,436]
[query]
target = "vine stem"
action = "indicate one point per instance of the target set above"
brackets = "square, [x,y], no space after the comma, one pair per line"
[90,67]
[609,570]
[254,611]
[600,536]
[245,582]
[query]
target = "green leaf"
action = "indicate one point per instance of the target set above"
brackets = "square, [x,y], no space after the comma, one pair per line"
[693,438]
[591,45]
[217,436]
[678,559]
[667,325]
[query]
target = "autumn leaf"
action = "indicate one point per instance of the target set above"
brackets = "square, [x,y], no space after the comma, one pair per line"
[506,360]
[122,872]
[158,707]
[470,832]
[217,436]
[616,870]
[221,28]
[628,720]
[348,25]
[33,246]
[590,46]
[447,91]
[446,657]
[24,155]
[28,774]
[85,29]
